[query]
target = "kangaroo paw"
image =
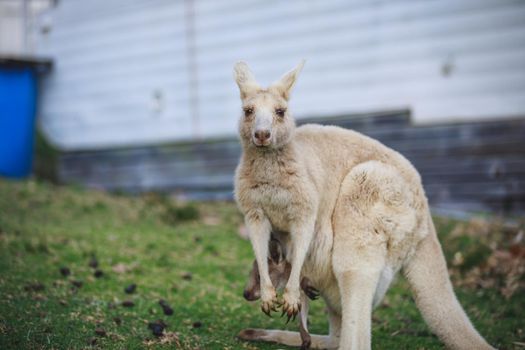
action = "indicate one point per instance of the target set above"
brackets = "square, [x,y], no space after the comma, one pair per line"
[269,302]
[291,305]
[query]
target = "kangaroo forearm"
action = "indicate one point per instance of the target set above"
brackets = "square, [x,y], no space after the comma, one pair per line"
[301,239]
[259,234]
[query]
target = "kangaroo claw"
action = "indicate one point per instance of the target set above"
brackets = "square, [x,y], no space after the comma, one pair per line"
[266,312]
[291,304]
[290,317]
[290,311]
[269,303]
[267,308]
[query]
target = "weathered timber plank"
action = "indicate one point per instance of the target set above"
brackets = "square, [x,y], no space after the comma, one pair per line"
[469,166]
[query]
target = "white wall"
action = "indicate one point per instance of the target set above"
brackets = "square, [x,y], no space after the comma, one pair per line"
[120,74]
[15,38]
[12,32]
[446,60]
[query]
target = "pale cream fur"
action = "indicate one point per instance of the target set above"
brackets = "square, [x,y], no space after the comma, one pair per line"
[352,212]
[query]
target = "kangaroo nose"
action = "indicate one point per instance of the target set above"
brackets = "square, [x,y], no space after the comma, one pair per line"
[262,135]
[247,295]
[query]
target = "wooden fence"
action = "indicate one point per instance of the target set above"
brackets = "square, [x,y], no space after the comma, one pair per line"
[466,167]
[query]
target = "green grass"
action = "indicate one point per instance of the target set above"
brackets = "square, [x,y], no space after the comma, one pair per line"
[159,245]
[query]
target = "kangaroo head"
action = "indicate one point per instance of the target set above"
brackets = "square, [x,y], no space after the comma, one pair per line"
[278,268]
[265,121]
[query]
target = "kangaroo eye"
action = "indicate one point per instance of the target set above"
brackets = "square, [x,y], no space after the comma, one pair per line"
[280,112]
[248,111]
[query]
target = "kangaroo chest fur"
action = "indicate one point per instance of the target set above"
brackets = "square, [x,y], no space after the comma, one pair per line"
[275,184]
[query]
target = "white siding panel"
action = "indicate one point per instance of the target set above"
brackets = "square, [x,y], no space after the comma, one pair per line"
[368,56]
[294,19]
[445,60]
[120,75]
[11,33]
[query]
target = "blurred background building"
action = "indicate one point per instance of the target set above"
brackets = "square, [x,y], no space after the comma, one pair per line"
[141,96]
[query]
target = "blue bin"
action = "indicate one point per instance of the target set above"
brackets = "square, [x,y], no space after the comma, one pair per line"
[17,121]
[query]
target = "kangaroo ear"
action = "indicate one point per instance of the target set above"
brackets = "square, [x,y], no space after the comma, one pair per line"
[245,79]
[276,251]
[284,85]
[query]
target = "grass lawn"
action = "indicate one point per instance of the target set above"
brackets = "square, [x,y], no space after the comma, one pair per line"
[199,267]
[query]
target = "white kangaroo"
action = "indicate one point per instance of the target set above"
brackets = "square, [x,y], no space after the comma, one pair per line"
[355,211]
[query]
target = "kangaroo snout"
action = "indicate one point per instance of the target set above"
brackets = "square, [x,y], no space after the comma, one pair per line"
[262,136]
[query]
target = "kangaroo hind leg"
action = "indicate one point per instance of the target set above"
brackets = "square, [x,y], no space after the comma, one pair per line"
[358,258]
[372,219]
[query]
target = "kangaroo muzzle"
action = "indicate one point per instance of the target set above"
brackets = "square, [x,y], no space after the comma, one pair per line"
[262,137]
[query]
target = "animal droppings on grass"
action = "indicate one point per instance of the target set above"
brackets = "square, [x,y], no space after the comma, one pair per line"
[34,287]
[65,271]
[117,320]
[77,283]
[98,273]
[92,341]
[38,297]
[187,276]
[128,303]
[101,332]
[130,289]
[57,284]
[197,324]
[93,262]
[157,327]
[166,308]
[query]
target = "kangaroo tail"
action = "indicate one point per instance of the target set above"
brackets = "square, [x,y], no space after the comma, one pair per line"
[428,277]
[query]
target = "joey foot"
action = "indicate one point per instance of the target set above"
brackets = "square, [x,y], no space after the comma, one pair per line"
[291,304]
[306,343]
[306,339]
[269,300]
[310,291]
